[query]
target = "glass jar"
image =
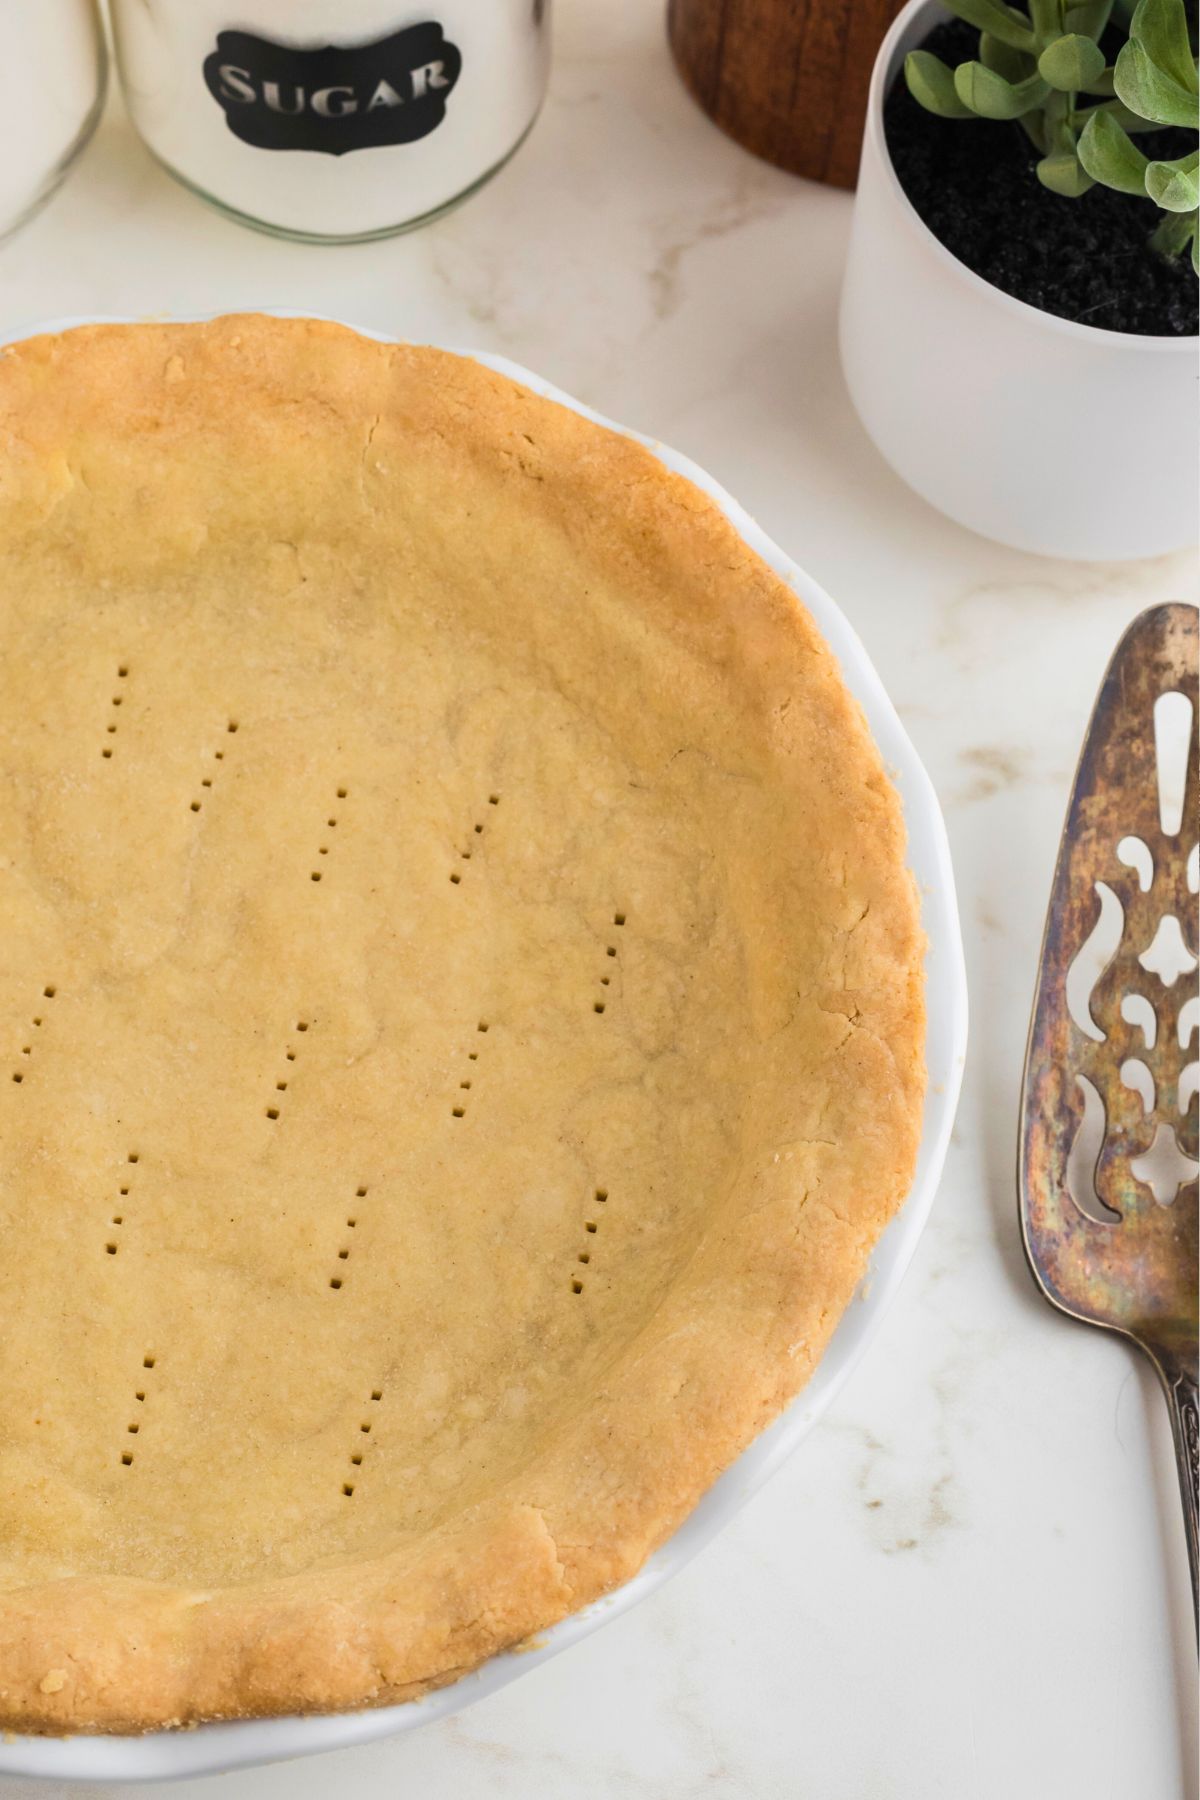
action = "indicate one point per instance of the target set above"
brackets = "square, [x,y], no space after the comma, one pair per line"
[52,78]
[332,121]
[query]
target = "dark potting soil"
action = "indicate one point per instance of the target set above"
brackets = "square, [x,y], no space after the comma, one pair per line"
[973,183]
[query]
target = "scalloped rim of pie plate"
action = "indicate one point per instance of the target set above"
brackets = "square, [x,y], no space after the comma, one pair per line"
[218,1748]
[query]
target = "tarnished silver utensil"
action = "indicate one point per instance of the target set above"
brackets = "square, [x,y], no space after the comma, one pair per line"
[1108,1155]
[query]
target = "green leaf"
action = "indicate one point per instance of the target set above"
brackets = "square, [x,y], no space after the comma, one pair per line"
[1175,232]
[1175,186]
[989,95]
[1004,22]
[1109,156]
[1060,138]
[1062,174]
[1089,19]
[1047,19]
[1014,65]
[1128,121]
[1102,87]
[1146,89]
[1161,28]
[931,85]
[1071,63]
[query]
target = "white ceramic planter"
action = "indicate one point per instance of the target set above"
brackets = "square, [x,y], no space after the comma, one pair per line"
[1054,437]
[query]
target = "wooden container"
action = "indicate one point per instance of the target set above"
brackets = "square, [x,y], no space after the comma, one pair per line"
[785,78]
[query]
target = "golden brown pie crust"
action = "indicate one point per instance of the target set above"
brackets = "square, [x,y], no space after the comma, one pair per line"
[460,1010]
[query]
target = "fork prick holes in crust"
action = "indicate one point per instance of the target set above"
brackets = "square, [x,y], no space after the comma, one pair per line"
[600,1005]
[284,1079]
[364,1429]
[134,1426]
[465,852]
[343,1252]
[467,1082]
[48,993]
[112,1246]
[316,875]
[110,729]
[583,1257]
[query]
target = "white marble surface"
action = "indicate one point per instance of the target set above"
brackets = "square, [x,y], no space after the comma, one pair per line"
[969,1583]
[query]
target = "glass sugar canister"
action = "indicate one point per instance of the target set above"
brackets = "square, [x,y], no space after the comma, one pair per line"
[332,120]
[52,81]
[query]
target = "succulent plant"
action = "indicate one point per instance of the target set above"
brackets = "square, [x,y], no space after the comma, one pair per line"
[1046,70]
[1154,78]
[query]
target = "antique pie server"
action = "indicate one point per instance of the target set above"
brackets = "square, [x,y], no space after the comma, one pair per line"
[1108,1154]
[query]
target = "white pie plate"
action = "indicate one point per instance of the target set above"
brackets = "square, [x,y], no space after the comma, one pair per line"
[212,1749]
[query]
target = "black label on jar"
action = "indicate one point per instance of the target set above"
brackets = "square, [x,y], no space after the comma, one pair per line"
[333,99]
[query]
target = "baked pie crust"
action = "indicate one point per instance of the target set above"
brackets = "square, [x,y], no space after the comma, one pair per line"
[460,1015]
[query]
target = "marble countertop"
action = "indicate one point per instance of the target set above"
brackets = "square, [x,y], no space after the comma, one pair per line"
[969,1583]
